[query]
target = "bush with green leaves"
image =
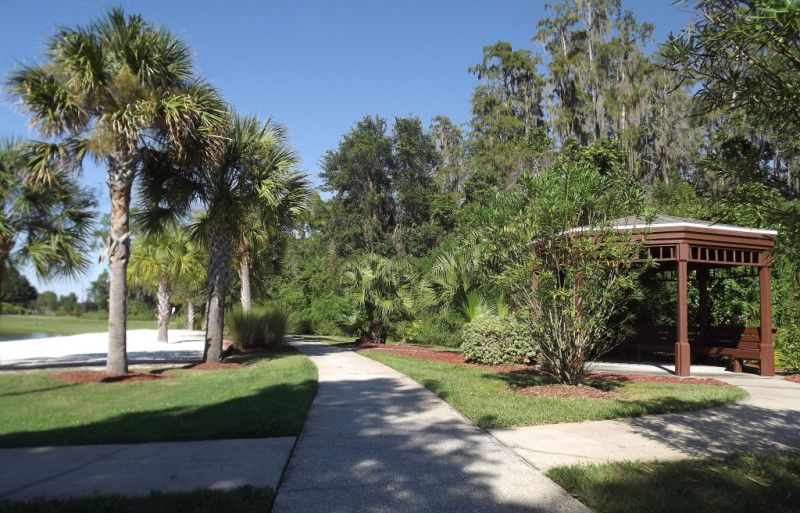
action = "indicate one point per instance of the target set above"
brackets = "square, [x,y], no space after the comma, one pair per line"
[787,346]
[439,330]
[494,340]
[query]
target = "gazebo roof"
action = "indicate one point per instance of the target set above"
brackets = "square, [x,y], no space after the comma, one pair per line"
[661,222]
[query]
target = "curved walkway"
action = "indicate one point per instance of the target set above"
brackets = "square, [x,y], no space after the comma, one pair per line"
[377,441]
[766,420]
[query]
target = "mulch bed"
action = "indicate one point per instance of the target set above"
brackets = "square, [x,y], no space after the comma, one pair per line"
[102,377]
[794,378]
[558,391]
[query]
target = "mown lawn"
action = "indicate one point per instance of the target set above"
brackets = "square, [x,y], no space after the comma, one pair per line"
[247,499]
[271,397]
[484,395]
[62,325]
[743,483]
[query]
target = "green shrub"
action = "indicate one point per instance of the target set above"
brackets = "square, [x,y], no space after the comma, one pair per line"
[787,347]
[323,316]
[247,329]
[494,340]
[438,331]
[10,309]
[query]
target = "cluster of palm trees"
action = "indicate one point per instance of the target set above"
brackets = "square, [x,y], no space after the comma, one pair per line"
[125,93]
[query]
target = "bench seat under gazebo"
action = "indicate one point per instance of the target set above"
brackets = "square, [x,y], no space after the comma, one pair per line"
[685,245]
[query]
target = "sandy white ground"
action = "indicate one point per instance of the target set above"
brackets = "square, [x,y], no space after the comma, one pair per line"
[90,349]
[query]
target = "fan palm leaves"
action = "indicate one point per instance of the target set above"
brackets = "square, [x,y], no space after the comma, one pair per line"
[453,284]
[112,89]
[47,226]
[162,261]
[380,291]
[256,174]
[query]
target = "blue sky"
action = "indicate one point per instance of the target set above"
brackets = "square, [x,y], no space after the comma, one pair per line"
[316,66]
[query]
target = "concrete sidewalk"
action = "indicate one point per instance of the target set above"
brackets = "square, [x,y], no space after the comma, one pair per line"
[377,441]
[137,469]
[766,420]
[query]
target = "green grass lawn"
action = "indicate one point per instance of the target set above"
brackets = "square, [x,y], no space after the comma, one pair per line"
[269,398]
[755,482]
[247,499]
[61,325]
[484,395]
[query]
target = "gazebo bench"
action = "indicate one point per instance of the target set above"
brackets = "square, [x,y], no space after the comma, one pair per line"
[739,343]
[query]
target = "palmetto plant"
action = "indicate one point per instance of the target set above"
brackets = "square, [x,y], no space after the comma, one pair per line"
[256,173]
[453,283]
[111,89]
[48,226]
[380,292]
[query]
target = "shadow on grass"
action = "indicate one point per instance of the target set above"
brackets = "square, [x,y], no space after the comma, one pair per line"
[38,390]
[740,483]
[277,410]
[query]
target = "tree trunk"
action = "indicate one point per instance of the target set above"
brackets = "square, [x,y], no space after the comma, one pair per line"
[244,274]
[219,260]
[121,167]
[190,315]
[373,336]
[164,295]
[205,316]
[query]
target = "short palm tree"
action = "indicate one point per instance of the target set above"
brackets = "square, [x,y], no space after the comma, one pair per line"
[256,173]
[111,89]
[46,225]
[453,284]
[380,291]
[159,263]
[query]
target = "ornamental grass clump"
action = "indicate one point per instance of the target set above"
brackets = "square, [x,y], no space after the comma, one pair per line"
[494,340]
[248,329]
[276,321]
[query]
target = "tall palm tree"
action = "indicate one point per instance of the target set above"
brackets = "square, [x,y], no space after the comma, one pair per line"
[111,89]
[46,225]
[159,263]
[256,172]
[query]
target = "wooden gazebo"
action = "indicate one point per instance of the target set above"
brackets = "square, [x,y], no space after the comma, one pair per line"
[685,245]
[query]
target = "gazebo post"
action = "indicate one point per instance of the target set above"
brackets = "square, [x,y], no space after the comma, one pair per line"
[702,283]
[682,351]
[765,331]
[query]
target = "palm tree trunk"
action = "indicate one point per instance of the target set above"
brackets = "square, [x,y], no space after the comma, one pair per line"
[244,274]
[190,315]
[219,260]
[120,181]
[164,294]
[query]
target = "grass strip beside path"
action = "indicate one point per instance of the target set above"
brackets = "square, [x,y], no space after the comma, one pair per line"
[247,499]
[271,397]
[63,325]
[484,395]
[743,483]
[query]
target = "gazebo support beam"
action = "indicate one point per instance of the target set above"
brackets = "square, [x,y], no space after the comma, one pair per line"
[683,359]
[765,332]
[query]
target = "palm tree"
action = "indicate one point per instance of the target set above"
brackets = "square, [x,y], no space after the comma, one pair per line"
[159,262]
[111,89]
[255,173]
[49,225]
[380,291]
[263,234]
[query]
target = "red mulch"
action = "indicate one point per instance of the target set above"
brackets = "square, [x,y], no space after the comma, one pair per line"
[794,378]
[102,377]
[559,391]
[569,392]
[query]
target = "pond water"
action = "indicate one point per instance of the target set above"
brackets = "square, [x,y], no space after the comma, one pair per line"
[5,336]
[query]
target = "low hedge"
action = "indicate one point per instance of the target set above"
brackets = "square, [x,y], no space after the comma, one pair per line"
[494,340]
